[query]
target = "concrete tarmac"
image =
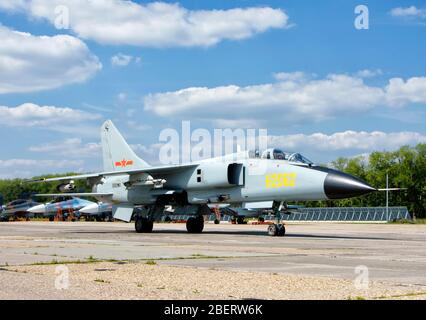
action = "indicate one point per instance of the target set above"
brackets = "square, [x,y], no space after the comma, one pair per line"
[389,253]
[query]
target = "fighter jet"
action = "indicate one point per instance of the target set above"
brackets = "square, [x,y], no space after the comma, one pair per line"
[63,207]
[243,177]
[17,209]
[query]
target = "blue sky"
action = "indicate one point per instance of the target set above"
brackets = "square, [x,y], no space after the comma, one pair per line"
[298,68]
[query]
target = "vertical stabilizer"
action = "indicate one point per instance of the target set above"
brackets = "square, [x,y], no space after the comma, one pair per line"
[117,154]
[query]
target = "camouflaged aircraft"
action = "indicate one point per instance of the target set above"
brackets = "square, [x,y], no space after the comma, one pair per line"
[17,209]
[63,207]
[244,177]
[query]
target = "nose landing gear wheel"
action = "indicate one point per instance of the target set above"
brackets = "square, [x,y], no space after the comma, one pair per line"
[195,224]
[276,230]
[143,225]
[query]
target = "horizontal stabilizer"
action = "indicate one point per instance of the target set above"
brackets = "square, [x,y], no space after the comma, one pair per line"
[123,212]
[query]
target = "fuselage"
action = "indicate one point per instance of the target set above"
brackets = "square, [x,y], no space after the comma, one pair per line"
[225,180]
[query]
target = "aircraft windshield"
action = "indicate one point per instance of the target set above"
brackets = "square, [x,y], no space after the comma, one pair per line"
[297,157]
[60,199]
[278,154]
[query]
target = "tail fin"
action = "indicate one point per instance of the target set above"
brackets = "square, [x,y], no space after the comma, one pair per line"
[117,154]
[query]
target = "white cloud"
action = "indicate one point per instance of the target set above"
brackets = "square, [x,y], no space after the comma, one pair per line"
[32,63]
[135,125]
[292,99]
[73,148]
[46,117]
[367,73]
[150,153]
[411,12]
[156,24]
[27,168]
[290,76]
[122,60]
[347,140]
[400,92]
[31,163]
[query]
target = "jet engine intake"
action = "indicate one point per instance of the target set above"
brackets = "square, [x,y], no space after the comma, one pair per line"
[66,187]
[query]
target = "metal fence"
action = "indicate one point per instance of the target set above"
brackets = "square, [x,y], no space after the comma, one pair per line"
[331,214]
[348,214]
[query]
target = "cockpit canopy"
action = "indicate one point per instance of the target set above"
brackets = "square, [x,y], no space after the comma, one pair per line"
[277,154]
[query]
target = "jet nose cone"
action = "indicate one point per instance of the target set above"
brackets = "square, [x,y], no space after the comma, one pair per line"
[339,185]
[90,209]
[37,209]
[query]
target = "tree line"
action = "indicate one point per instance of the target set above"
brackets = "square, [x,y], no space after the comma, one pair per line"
[406,168]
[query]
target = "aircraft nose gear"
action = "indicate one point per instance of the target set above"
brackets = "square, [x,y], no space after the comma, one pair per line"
[277,229]
[143,225]
[195,224]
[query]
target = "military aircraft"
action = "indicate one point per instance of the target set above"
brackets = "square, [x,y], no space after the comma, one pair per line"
[17,209]
[62,207]
[98,211]
[239,178]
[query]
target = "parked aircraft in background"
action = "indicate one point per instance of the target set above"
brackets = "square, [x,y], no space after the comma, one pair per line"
[98,211]
[244,177]
[63,207]
[17,210]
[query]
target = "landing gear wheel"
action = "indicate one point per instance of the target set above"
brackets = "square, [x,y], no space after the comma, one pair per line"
[281,230]
[276,230]
[240,220]
[195,224]
[272,230]
[143,225]
[216,221]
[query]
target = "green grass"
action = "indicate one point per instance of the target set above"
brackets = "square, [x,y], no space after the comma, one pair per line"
[101,281]
[407,221]
[91,259]
[357,298]
[411,294]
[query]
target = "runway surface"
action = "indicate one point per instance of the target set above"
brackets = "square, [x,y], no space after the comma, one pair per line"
[388,253]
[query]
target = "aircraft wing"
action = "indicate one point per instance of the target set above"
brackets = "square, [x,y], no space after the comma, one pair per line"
[149,170]
[79,177]
[74,195]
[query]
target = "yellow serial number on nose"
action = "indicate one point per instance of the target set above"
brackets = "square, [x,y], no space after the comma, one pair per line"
[279,180]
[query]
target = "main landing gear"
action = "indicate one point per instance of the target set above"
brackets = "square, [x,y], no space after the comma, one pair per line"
[277,229]
[143,225]
[195,224]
